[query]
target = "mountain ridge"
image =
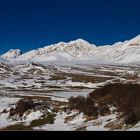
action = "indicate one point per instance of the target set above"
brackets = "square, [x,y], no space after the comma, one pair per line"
[81,49]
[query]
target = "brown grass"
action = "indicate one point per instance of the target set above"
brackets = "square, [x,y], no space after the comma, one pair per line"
[85,78]
[79,77]
[58,76]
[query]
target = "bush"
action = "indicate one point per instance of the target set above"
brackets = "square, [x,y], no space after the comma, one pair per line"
[125,97]
[21,107]
[82,104]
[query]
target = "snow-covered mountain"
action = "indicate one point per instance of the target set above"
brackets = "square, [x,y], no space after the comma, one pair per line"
[125,52]
[12,54]
[120,52]
[62,51]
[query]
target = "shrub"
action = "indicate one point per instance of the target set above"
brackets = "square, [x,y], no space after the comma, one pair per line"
[82,104]
[21,107]
[125,97]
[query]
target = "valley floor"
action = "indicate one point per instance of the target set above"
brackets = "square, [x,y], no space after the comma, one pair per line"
[39,101]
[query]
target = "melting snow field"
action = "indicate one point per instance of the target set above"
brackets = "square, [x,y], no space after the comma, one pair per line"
[50,87]
[60,125]
[6,103]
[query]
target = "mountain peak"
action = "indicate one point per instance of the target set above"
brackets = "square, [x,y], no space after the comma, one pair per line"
[12,53]
[82,41]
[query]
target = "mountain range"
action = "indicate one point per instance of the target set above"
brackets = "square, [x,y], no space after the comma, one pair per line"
[80,50]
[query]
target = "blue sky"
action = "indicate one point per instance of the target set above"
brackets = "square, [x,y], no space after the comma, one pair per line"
[30,24]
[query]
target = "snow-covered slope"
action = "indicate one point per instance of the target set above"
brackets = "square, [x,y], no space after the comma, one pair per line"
[12,54]
[120,52]
[125,52]
[2,60]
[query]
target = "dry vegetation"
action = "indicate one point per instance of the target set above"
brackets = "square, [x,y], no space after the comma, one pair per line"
[124,97]
[58,76]
[21,107]
[130,76]
[85,78]
[27,105]
[79,77]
